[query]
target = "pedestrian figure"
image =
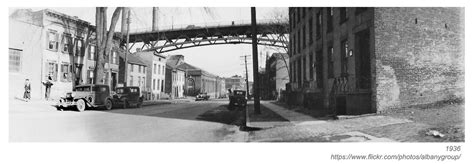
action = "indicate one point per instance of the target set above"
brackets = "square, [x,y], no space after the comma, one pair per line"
[48,85]
[27,94]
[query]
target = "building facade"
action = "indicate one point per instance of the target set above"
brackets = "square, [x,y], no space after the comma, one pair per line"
[200,81]
[235,82]
[137,72]
[47,44]
[155,79]
[367,60]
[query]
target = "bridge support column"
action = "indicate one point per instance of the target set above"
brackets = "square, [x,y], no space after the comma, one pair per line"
[154,26]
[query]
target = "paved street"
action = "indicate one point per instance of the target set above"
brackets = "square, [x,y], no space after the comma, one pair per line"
[169,122]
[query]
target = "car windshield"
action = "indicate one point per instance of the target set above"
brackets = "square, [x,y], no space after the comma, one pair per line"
[119,90]
[100,88]
[86,88]
[239,92]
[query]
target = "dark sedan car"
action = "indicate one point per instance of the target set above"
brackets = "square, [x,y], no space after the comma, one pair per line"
[202,96]
[126,96]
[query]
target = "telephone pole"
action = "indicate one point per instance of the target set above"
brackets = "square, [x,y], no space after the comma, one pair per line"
[256,81]
[246,76]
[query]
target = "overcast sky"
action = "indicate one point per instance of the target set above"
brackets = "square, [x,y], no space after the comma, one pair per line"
[222,60]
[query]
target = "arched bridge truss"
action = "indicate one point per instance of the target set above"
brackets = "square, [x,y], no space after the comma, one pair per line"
[269,34]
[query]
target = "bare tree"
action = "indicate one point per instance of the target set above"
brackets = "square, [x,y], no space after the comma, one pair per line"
[104,39]
[279,16]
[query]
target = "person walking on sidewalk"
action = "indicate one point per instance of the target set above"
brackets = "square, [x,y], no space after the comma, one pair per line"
[48,85]
[27,94]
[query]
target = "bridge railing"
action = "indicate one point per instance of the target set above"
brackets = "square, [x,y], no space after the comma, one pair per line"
[203,25]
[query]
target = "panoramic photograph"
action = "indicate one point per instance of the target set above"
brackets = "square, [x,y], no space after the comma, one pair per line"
[236,74]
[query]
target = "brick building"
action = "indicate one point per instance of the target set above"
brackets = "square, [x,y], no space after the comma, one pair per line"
[366,60]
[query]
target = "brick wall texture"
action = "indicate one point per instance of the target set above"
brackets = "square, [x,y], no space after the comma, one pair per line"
[419,55]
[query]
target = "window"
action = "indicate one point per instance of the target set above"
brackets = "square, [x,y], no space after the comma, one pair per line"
[90,77]
[144,69]
[163,70]
[79,46]
[299,41]
[298,66]
[14,60]
[114,57]
[139,81]
[304,68]
[298,17]
[311,67]
[330,62]
[53,70]
[154,84]
[319,69]
[65,72]
[159,69]
[162,85]
[139,69]
[67,43]
[344,57]
[143,80]
[158,85]
[53,38]
[342,14]
[154,68]
[304,36]
[360,10]
[91,53]
[318,24]
[131,81]
[310,22]
[131,67]
[330,15]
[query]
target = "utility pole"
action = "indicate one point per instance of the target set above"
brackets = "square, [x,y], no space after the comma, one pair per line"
[256,81]
[126,47]
[246,76]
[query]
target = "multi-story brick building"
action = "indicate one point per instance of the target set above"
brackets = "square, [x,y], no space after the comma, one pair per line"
[366,60]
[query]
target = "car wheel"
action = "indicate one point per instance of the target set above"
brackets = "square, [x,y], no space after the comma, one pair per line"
[81,105]
[125,104]
[139,104]
[108,104]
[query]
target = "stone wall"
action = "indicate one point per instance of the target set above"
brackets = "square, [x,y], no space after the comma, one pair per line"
[419,55]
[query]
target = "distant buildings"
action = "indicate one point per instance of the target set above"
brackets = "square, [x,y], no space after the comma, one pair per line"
[201,81]
[275,76]
[235,82]
[175,76]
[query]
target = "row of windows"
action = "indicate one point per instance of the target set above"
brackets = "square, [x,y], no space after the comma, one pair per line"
[141,69]
[157,86]
[141,81]
[161,69]
[68,44]
[298,41]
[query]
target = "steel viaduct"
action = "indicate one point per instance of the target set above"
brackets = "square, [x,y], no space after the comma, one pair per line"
[171,39]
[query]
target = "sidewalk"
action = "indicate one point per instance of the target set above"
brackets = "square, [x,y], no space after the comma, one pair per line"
[304,128]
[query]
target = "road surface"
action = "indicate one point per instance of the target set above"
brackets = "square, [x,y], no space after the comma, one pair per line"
[186,122]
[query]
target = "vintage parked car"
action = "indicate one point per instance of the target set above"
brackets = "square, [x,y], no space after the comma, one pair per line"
[126,96]
[87,96]
[237,99]
[202,96]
